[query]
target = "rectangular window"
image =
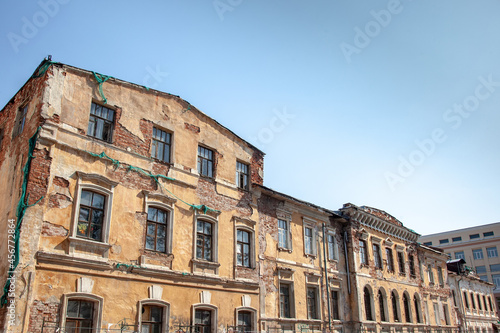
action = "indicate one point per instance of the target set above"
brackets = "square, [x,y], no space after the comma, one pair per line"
[488,234]
[390,259]
[466,300]
[401,262]
[474,236]
[363,255]
[496,280]
[243,248]
[91,215]
[478,254]
[242,175]
[483,278]
[202,321]
[444,241]
[492,252]
[428,243]
[440,277]
[332,253]
[205,162]
[335,305]
[160,147]
[480,269]
[283,234]
[457,239]
[204,240]
[101,122]
[285,299]
[20,121]
[244,321]
[460,255]
[411,263]
[79,316]
[312,303]
[472,301]
[308,240]
[495,268]
[156,230]
[376,256]
[152,319]
[431,274]
[436,314]
[446,314]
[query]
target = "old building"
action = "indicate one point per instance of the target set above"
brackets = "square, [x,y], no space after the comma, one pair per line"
[388,287]
[478,246]
[473,299]
[138,210]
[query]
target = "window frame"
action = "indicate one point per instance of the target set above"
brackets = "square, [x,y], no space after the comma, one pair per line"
[332,248]
[407,307]
[310,225]
[92,210]
[396,316]
[158,303]
[411,265]
[213,315]
[291,308]
[440,276]
[477,254]
[492,250]
[242,177]
[401,262]
[97,307]
[368,304]
[253,317]
[154,145]
[110,123]
[418,310]
[210,162]
[169,224]
[207,251]
[313,302]
[20,121]
[390,259]
[430,274]
[459,255]
[251,239]
[199,263]
[335,304]
[363,252]
[377,256]
[382,305]
[287,234]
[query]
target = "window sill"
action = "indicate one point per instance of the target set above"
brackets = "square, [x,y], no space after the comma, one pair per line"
[284,249]
[309,255]
[88,246]
[154,159]
[205,267]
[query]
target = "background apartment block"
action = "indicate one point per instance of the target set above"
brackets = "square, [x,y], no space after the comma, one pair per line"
[478,246]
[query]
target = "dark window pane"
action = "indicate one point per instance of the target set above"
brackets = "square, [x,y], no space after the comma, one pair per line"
[98,200]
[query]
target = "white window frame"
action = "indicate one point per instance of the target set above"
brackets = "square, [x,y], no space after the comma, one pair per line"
[215,236]
[170,221]
[332,253]
[477,254]
[310,224]
[155,302]
[98,306]
[251,236]
[492,250]
[211,308]
[288,235]
[246,309]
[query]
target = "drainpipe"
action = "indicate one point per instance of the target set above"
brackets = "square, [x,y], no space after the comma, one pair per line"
[327,282]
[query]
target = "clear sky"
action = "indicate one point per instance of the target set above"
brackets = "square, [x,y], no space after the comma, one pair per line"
[390,104]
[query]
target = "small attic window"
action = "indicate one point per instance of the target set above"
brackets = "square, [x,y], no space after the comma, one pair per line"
[20,121]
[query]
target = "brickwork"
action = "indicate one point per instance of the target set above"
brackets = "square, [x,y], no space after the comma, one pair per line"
[43,312]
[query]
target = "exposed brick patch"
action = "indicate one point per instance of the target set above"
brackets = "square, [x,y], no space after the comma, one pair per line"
[192,128]
[38,179]
[207,195]
[59,201]
[41,311]
[247,273]
[125,139]
[59,181]
[55,118]
[257,168]
[160,168]
[50,229]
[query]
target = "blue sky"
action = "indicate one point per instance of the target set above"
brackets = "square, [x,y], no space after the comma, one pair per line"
[390,104]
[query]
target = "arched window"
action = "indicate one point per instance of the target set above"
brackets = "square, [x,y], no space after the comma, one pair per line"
[368,304]
[406,303]
[418,313]
[381,305]
[394,301]
[157,229]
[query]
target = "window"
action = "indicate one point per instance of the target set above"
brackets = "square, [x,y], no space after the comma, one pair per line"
[428,243]
[474,236]
[466,300]
[485,304]
[446,314]
[492,252]
[368,305]
[480,269]
[312,303]
[488,234]
[479,305]
[284,234]
[444,241]
[407,306]
[401,262]
[431,274]
[285,306]
[478,254]
[457,239]
[437,314]
[416,303]
[20,121]
[244,321]
[205,162]
[495,268]
[101,123]
[152,319]
[390,259]
[156,231]
[363,255]
[204,240]
[308,240]
[91,215]
[376,256]
[203,321]
[440,277]
[496,280]
[489,303]
[332,253]
[243,248]
[472,301]
[394,301]
[80,316]
[335,305]
[411,263]
[460,255]
[160,147]
[454,297]
[381,306]
[242,175]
